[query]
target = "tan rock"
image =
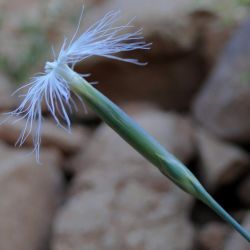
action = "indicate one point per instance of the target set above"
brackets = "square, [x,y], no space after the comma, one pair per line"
[51,135]
[178,234]
[221,162]
[92,209]
[135,197]
[29,196]
[85,214]
[66,142]
[235,240]
[108,218]
[162,237]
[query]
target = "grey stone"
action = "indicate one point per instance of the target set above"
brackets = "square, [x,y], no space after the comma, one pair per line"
[221,162]
[223,103]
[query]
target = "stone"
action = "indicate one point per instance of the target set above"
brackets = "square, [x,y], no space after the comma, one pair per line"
[162,237]
[172,130]
[176,235]
[243,190]
[223,104]
[220,162]
[213,33]
[85,214]
[136,198]
[29,196]
[212,236]
[114,218]
[51,135]
[91,208]
[235,240]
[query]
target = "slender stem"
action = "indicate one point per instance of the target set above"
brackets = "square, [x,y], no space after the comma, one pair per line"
[146,145]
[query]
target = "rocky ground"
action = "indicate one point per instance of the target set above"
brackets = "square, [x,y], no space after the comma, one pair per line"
[93,191]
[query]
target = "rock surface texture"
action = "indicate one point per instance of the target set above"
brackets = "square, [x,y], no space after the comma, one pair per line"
[51,135]
[221,162]
[223,104]
[29,197]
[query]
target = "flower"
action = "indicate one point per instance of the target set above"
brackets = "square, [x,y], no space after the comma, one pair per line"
[101,39]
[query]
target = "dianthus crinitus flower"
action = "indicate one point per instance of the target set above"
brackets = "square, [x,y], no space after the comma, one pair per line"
[54,87]
[101,39]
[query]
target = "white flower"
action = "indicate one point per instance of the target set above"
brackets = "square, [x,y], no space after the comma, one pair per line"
[101,39]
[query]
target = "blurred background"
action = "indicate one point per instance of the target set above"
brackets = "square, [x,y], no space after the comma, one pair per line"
[93,191]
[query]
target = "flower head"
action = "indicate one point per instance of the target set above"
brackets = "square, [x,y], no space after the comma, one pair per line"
[101,39]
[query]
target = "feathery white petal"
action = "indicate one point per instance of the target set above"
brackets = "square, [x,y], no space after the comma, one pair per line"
[55,91]
[102,39]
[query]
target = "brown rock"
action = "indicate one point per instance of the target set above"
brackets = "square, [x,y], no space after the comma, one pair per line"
[29,196]
[212,33]
[221,162]
[223,104]
[235,240]
[214,39]
[51,135]
[174,72]
[244,191]
[172,69]
[159,82]
[212,236]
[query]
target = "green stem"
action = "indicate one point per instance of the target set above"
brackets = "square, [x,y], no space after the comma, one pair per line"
[145,144]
